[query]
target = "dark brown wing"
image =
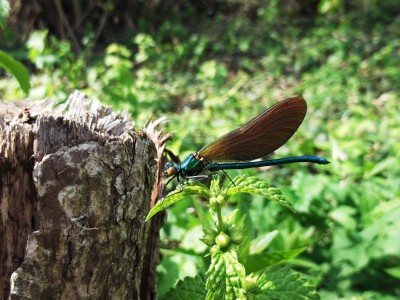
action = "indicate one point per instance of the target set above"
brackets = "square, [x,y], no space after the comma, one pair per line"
[261,135]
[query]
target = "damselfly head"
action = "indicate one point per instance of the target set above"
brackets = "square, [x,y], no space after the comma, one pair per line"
[169,169]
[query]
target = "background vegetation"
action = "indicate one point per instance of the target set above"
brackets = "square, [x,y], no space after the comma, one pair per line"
[209,66]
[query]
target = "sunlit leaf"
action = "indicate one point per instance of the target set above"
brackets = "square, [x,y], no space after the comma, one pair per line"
[261,243]
[256,262]
[189,189]
[17,69]
[394,272]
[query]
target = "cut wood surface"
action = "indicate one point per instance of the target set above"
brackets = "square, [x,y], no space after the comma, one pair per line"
[76,183]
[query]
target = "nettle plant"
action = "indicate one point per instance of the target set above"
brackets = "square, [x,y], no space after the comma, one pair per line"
[240,268]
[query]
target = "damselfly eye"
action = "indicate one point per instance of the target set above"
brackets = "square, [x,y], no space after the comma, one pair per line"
[169,169]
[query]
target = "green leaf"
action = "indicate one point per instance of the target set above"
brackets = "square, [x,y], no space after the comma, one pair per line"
[262,242]
[394,272]
[253,185]
[225,277]
[168,274]
[189,288]
[4,12]
[256,262]
[17,69]
[383,165]
[344,215]
[284,284]
[325,6]
[189,189]
[37,46]
[146,45]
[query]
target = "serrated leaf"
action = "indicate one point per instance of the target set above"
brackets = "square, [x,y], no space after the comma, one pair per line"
[284,284]
[256,262]
[242,179]
[189,189]
[189,288]
[225,277]
[262,242]
[252,185]
[17,69]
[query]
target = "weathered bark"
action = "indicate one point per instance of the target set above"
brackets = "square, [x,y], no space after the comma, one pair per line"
[76,185]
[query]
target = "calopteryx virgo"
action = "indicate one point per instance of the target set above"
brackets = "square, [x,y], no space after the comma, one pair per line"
[257,138]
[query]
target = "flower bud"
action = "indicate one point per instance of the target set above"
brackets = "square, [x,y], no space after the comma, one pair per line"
[222,240]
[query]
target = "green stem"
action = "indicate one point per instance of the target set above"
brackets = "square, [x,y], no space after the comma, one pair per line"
[219,217]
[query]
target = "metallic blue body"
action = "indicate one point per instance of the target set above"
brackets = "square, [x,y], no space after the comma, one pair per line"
[264,163]
[191,166]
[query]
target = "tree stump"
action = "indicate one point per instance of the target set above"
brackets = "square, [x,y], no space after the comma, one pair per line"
[76,184]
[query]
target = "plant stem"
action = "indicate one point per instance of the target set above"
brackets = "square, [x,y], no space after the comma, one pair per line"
[219,216]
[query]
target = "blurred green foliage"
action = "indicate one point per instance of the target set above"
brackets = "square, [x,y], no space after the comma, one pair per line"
[209,75]
[4,12]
